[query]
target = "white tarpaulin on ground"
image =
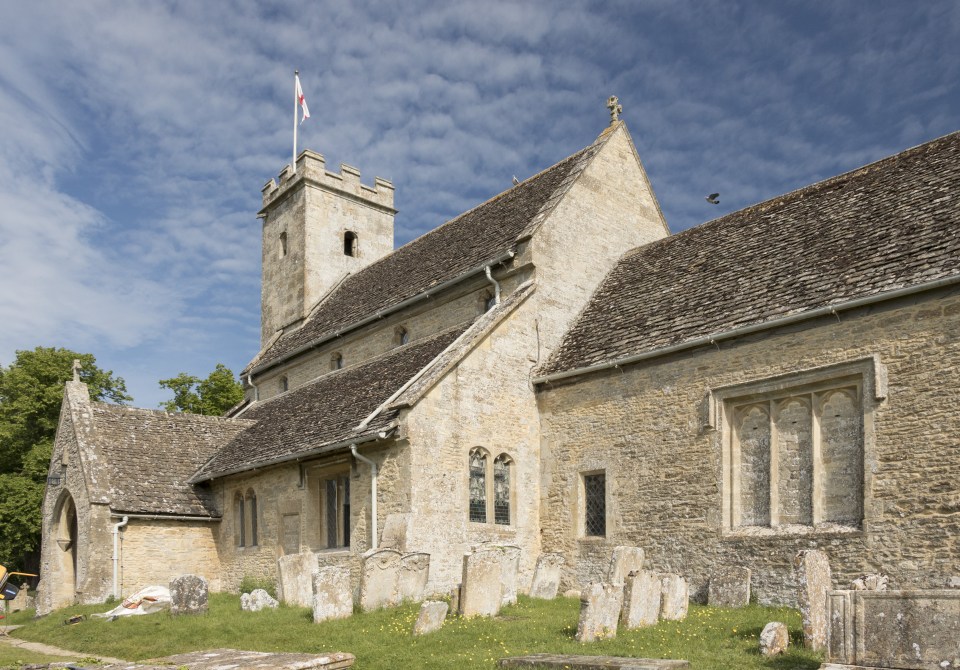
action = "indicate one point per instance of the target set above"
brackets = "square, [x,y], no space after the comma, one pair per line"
[147,600]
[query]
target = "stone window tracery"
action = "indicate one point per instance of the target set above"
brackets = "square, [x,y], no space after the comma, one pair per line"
[478,485]
[501,490]
[490,487]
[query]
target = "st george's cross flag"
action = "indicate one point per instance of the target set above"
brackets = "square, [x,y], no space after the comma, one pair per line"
[301,100]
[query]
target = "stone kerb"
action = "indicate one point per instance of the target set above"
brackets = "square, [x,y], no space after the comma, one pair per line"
[812,570]
[188,595]
[332,593]
[623,561]
[380,572]
[414,572]
[730,587]
[546,576]
[296,578]
[674,597]
[641,600]
[431,617]
[509,574]
[482,586]
[600,606]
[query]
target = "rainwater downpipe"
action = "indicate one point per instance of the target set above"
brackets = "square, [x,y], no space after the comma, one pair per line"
[496,286]
[116,555]
[373,493]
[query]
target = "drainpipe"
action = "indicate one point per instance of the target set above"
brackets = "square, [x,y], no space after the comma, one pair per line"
[116,556]
[496,286]
[373,493]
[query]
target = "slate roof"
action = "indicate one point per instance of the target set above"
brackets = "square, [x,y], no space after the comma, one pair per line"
[461,244]
[891,224]
[325,411]
[152,454]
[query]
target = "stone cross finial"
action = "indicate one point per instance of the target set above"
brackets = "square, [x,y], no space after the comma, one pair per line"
[613,104]
[76,369]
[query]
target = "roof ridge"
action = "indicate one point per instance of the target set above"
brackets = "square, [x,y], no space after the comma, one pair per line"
[189,416]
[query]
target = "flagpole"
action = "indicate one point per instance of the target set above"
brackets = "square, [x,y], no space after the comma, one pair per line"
[293,163]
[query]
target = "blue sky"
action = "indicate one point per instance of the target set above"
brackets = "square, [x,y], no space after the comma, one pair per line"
[135,137]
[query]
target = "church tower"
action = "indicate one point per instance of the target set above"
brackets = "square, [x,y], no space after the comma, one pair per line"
[318,227]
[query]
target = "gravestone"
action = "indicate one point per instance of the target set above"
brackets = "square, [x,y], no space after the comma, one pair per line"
[332,593]
[812,570]
[296,578]
[774,639]
[380,572]
[257,600]
[730,587]
[641,599]
[509,573]
[674,597]
[600,606]
[188,595]
[414,571]
[432,615]
[481,590]
[546,576]
[623,561]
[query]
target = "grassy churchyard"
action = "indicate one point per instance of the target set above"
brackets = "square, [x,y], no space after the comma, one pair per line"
[710,638]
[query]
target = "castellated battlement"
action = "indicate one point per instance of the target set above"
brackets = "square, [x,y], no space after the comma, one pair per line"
[311,168]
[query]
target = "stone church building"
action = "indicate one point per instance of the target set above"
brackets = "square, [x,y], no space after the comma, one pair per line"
[554,370]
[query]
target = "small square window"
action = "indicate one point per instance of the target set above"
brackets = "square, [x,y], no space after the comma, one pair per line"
[595,505]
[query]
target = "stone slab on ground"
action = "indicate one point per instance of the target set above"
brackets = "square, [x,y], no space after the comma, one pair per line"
[232,658]
[577,662]
[546,576]
[730,587]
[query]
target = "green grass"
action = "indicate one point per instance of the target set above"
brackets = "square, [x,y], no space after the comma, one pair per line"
[710,638]
[14,657]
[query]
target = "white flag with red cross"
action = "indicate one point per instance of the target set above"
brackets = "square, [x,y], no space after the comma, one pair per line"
[302,101]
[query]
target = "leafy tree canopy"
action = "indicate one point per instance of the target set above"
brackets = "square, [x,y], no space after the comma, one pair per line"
[211,396]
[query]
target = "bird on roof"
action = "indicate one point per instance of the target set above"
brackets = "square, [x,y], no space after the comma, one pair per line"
[712,198]
[515,180]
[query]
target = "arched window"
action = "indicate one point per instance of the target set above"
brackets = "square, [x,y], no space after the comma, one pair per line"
[349,243]
[284,384]
[283,244]
[252,509]
[336,361]
[478,485]
[400,336]
[501,490]
[239,521]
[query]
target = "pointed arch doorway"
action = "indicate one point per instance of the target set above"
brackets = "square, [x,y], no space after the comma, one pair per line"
[64,587]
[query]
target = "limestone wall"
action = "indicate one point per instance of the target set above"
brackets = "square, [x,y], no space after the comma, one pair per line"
[652,429]
[152,552]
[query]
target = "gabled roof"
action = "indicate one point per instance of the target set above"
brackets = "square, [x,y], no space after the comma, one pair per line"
[325,412]
[150,456]
[890,225]
[465,243]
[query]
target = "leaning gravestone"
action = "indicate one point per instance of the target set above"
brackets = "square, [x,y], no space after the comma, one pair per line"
[188,595]
[600,606]
[296,578]
[412,576]
[332,594]
[812,570]
[257,600]
[623,561]
[674,597]
[379,575]
[480,594]
[546,576]
[774,639]
[432,614]
[730,587]
[510,555]
[641,600]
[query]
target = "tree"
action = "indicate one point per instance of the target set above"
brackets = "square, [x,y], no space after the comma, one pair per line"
[31,392]
[211,396]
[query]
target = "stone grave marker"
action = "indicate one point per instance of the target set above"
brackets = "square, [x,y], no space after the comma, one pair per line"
[332,593]
[674,597]
[509,574]
[257,600]
[296,578]
[623,561]
[730,587]
[414,571]
[546,576]
[480,593]
[641,599]
[774,639]
[432,615]
[380,573]
[600,606]
[812,570]
[188,595]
